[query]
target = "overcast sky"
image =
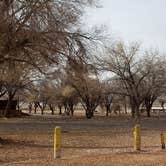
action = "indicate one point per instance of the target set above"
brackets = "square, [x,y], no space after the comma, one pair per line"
[133,20]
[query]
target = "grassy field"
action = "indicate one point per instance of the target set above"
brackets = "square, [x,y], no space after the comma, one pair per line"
[100,141]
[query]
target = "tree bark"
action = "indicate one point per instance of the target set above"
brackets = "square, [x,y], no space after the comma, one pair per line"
[35,107]
[89,112]
[149,103]
[125,105]
[8,111]
[71,107]
[137,111]
[30,107]
[60,110]
[52,109]
[148,113]
[108,110]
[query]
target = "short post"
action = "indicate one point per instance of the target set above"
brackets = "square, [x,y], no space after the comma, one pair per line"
[137,138]
[162,141]
[57,143]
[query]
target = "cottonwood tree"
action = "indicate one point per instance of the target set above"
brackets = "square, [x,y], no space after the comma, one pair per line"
[123,61]
[154,83]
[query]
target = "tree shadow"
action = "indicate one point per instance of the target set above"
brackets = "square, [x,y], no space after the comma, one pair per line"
[97,147]
[106,147]
[32,144]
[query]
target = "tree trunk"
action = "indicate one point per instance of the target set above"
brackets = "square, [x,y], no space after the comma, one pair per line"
[148,113]
[35,107]
[72,111]
[52,109]
[8,111]
[67,112]
[71,107]
[125,106]
[18,105]
[149,103]
[137,111]
[107,112]
[133,108]
[60,109]
[42,111]
[162,105]
[89,113]
[42,107]
[148,108]
[30,107]
[107,109]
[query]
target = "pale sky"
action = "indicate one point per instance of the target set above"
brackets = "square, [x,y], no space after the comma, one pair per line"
[132,20]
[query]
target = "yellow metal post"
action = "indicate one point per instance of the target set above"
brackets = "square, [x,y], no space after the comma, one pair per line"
[162,141]
[57,142]
[137,138]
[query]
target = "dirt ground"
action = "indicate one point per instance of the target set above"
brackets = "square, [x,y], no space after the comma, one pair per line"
[100,141]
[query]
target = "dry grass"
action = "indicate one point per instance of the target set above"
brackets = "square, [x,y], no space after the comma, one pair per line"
[97,142]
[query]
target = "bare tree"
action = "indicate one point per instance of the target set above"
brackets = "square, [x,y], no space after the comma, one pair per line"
[39,33]
[18,79]
[89,91]
[154,83]
[70,99]
[123,61]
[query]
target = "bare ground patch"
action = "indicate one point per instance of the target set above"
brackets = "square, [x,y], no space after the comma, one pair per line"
[98,142]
